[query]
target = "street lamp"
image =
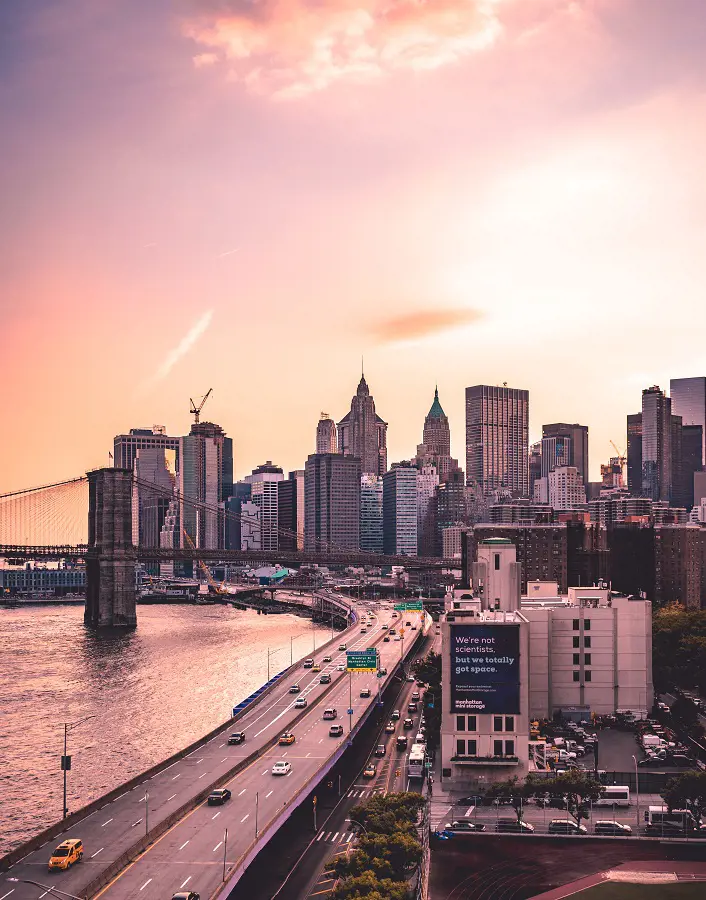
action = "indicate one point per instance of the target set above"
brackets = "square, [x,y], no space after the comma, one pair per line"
[637,792]
[45,887]
[66,759]
[269,654]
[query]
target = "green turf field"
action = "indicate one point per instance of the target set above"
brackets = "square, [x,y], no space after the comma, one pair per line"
[618,890]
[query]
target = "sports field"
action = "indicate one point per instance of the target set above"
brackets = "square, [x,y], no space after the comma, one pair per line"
[615,890]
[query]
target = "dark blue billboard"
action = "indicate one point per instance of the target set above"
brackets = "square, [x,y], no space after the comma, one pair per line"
[485,669]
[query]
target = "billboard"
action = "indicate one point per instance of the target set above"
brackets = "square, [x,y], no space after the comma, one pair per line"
[485,669]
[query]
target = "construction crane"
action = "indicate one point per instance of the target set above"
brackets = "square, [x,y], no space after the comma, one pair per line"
[622,459]
[196,410]
[212,583]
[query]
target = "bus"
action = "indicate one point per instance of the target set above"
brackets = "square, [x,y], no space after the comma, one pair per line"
[415,761]
[614,795]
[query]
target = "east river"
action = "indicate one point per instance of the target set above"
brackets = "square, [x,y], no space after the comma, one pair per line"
[152,691]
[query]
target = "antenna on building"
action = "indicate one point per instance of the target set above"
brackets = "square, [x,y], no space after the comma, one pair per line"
[196,410]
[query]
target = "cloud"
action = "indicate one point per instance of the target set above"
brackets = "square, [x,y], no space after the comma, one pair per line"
[205,59]
[290,48]
[183,347]
[422,324]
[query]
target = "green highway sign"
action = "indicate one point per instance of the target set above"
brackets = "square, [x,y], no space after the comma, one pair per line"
[361,660]
[410,606]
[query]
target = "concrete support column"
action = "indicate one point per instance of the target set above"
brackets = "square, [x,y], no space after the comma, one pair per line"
[111,559]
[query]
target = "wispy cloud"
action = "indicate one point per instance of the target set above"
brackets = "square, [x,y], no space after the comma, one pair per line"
[183,347]
[289,48]
[425,323]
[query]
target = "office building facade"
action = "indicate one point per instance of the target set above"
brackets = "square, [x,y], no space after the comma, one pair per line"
[634,454]
[264,482]
[371,513]
[399,510]
[332,502]
[656,444]
[326,440]
[689,402]
[566,488]
[576,449]
[497,439]
[427,484]
[290,511]
[363,434]
[206,478]
[435,449]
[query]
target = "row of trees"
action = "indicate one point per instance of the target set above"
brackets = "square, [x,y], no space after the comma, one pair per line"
[576,787]
[428,670]
[386,853]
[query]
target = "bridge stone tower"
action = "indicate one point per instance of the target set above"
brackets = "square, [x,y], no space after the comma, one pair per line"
[111,558]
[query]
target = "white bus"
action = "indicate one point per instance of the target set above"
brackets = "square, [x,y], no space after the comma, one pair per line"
[415,761]
[614,795]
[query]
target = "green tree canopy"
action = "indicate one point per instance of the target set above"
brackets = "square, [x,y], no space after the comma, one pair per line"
[518,792]
[578,787]
[687,791]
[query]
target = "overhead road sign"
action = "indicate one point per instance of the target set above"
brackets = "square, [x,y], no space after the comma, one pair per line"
[362,660]
[410,606]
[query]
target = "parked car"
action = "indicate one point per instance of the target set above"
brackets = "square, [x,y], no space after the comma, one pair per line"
[464,826]
[566,826]
[512,826]
[616,829]
[219,797]
[238,737]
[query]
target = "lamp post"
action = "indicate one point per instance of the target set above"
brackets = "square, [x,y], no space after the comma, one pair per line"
[45,887]
[147,813]
[269,654]
[637,792]
[66,759]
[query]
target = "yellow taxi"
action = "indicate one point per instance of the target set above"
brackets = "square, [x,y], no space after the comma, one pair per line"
[287,738]
[66,854]
[316,668]
[370,771]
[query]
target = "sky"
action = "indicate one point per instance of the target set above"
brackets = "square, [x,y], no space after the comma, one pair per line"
[253,195]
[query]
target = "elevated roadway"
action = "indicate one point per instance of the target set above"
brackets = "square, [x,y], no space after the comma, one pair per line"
[192,852]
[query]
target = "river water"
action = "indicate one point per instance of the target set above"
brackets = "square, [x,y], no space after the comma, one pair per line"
[153,691]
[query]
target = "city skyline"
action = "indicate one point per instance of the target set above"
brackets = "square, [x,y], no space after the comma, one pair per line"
[167,202]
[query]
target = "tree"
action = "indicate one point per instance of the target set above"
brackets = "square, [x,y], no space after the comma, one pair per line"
[578,787]
[518,792]
[428,670]
[687,791]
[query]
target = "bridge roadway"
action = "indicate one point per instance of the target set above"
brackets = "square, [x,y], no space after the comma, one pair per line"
[191,853]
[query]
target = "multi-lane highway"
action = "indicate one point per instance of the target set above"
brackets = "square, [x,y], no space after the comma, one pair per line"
[191,854]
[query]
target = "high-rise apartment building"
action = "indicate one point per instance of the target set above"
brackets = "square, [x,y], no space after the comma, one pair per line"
[435,449]
[566,488]
[399,510]
[290,511]
[371,513]
[427,484]
[451,505]
[577,436]
[205,477]
[656,444]
[497,439]
[326,435]
[689,402]
[264,482]
[634,454]
[332,502]
[363,434]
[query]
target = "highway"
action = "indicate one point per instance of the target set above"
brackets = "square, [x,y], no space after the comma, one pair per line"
[191,854]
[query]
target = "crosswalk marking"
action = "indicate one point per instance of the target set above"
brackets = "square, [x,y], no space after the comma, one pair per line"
[321,834]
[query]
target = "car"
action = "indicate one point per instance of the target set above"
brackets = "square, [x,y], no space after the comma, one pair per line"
[186,895]
[410,680]
[408,622]
[395,715]
[382,671]
[385,627]
[415,694]
[407,724]
[444,835]
[308,663]
[365,692]
[472,800]
[342,647]
[386,640]
[680,759]
[401,742]
[66,854]
[282,767]
[294,689]
[370,771]
[363,630]
[325,678]
[512,826]
[612,828]
[394,615]
[380,750]
[414,628]
[219,797]
[393,631]
[300,703]
[330,713]
[341,667]
[326,659]
[390,728]
[666,829]
[412,707]
[335,731]
[238,737]
[316,668]
[286,738]
[464,826]
[397,637]
[566,826]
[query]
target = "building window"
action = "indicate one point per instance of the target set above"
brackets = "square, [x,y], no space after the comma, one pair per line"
[497,723]
[577,659]
[460,748]
[460,723]
[576,625]
[576,643]
[497,562]
[587,676]
[586,642]
[586,624]
[497,748]
[509,723]
[472,748]
[587,659]
[576,676]
[509,748]
[472,723]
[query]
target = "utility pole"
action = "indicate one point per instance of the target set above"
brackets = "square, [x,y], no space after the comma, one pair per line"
[314,805]
[147,812]
[257,807]
[225,850]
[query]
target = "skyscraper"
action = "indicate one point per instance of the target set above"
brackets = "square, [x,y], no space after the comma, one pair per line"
[371,513]
[427,483]
[331,502]
[497,439]
[263,486]
[577,448]
[290,511]
[125,446]
[634,454]
[435,449]
[556,452]
[399,510]
[656,444]
[326,435]
[153,465]
[362,433]
[689,402]
[206,477]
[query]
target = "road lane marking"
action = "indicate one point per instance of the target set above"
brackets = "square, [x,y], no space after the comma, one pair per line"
[204,775]
[348,839]
[135,823]
[145,884]
[199,761]
[181,848]
[244,818]
[225,759]
[216,816]
[320,835]
[242,792]
[219,844]
[184,883]
[268,795]
[170,798]
[266,771]
[328,835]
[106,823]
[336,835]
[143,799]
[7,894]
[176,776]
[97,852]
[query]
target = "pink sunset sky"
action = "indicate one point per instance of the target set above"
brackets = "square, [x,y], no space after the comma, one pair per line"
[250,195]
